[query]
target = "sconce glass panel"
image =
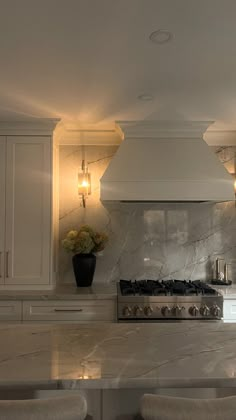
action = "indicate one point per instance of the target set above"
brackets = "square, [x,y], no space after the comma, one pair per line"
[84,183]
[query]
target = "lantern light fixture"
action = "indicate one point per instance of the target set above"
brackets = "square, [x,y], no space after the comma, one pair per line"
[84,183]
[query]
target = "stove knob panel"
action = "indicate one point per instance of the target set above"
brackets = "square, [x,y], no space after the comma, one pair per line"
[165,310]
[127,311]
[215,310]
[204,310]
[193,310]
[177,310]
[138,310]
[148,310]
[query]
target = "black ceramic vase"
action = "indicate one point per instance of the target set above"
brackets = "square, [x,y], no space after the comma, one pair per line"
[84,268]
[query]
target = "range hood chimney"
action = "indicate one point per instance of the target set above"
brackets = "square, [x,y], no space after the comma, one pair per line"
[165,161]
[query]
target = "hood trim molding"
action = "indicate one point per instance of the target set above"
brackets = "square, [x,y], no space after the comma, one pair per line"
[165,161]
[162,129]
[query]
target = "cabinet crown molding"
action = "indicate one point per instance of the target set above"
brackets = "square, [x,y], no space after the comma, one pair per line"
[39,126]
[89,134]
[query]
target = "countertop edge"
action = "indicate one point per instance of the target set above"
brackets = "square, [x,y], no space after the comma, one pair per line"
[103,292]
[116,383]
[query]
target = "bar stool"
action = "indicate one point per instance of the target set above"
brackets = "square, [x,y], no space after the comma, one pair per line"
[58,408]
[159,407]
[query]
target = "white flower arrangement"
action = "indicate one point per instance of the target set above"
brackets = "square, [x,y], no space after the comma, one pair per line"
[84,241]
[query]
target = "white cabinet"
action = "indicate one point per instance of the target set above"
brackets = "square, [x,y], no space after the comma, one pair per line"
[229,310]
[2,206]
[26,248]
[61,311]
[10,310]
[26,211]
[70,310]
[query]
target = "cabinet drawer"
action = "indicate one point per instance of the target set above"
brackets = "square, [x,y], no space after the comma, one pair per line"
[230,310]
[69,310]
[10,310]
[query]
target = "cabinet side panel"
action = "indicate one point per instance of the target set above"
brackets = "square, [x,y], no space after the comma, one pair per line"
[55,213]
[28,211]
[2,205]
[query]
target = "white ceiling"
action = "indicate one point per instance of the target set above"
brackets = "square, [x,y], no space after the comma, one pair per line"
[88,60]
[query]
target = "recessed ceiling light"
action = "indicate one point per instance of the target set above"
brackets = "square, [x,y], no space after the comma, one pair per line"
[145,97]
[161,36]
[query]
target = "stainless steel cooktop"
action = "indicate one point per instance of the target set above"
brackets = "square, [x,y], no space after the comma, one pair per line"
[150,300]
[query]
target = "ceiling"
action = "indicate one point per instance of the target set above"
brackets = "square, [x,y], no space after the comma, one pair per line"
[89,60]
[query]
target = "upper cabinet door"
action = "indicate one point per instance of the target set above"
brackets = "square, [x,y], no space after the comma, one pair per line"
[28,211]
[2,205]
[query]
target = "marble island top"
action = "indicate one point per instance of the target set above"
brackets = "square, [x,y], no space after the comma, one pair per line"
[65,356]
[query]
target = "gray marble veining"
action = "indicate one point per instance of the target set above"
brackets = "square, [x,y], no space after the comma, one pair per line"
[183,354]
[150,240]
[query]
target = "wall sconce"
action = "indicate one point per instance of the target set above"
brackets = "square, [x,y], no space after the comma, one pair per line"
[84,183]
[234,175]
[234,181]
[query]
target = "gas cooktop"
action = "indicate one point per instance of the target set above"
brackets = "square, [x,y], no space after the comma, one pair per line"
[165,288]
[150,300]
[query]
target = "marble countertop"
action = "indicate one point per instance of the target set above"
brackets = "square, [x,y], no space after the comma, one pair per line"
[96,291]
[65,291]
[228,292]
[185,354]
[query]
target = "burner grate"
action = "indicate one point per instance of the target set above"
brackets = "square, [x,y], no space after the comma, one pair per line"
[204,288]
[165,288]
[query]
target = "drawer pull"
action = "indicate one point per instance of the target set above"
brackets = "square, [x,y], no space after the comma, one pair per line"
[68,310]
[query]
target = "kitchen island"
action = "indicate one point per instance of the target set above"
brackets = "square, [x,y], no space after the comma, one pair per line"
[191,354]
[123,360]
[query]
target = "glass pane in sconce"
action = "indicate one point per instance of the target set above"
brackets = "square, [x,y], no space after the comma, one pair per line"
[84,183]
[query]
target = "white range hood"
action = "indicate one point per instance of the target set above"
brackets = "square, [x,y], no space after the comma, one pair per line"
[165,161]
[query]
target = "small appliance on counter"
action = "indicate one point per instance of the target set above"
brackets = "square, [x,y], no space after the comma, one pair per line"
[222,273]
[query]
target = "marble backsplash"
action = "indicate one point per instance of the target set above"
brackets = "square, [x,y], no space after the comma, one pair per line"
[157,241]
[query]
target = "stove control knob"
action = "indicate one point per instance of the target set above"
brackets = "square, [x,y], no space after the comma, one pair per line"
[215,310]
[204,310]
[165,310]
[137,310]
[177,309]
[126,311]
[193,310]
[148,310]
